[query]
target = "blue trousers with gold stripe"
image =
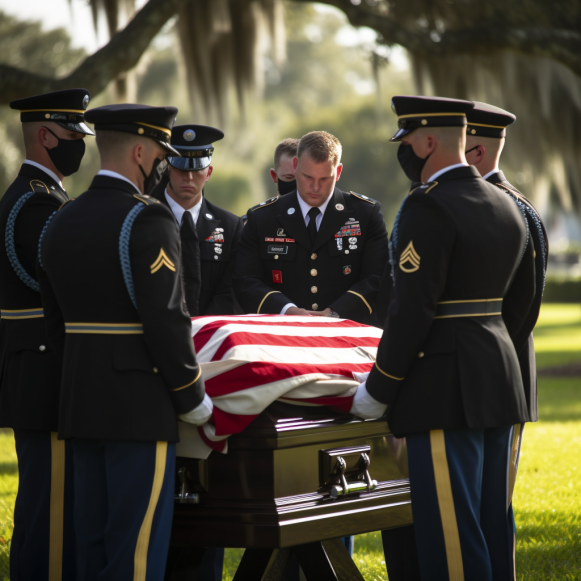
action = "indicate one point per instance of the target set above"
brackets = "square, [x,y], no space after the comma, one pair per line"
[123,509]
[461,488]
[43,541]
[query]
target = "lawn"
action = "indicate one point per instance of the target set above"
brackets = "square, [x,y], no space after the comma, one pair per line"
[547,498]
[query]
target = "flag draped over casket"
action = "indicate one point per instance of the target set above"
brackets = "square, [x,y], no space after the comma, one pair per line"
[250,361]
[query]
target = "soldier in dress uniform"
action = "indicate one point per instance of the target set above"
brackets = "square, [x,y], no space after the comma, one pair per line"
[109,269]
[485,137]
[447,366]
[316,251]
[210,235]
[283,172]
[43,539]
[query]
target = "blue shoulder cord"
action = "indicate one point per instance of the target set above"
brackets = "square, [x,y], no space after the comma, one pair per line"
[11,245]
[124,250]
[42,236]
[523,211]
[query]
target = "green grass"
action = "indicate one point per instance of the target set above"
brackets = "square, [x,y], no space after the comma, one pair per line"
[547,498]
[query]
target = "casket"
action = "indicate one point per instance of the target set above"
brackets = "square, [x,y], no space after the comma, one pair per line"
[296,475]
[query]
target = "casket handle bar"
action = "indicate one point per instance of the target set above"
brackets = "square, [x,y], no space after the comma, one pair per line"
[183,496]
[362,483]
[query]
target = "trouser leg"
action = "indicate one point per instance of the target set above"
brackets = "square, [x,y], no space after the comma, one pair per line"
[212,564]
[401,558]
[43,540]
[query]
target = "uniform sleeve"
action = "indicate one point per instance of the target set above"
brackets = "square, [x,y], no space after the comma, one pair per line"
[425,241]
[358,303]
[223,301]
[155,265]
[253,295]
[384,295]
[53,318]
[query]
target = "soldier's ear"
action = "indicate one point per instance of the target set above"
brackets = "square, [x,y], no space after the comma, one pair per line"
[273,175]
[339,170]
[295,162]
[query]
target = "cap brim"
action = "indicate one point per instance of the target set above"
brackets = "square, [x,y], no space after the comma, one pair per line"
[76,127]
[189,163]
[400,133]
[169,148]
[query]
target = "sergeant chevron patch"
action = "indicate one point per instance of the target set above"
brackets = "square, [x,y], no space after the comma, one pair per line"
[162,260]
[409,255]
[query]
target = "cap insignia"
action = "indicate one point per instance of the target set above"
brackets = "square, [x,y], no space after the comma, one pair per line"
[189,134]
[86,100]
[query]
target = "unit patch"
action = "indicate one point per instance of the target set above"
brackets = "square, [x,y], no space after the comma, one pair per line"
[409,261]
[347,269]
[277,276]
[162,260]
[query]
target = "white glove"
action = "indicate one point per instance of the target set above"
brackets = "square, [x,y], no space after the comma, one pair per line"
[366,407]
[200,414]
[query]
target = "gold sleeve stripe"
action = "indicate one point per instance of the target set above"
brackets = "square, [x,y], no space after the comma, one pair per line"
[363,299]
[57,507]
[22,314]
[142,547]
[446,504]
[387,374]
[262,301]
[515,445]
[188,384]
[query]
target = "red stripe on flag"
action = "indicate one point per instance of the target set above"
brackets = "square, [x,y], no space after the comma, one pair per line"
[237,339]
[217,446]
[257,373]
[227,423]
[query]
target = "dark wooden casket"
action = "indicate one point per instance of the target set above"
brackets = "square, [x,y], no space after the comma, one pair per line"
[296,477]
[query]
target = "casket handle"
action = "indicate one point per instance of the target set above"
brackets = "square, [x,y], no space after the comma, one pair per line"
[362,483]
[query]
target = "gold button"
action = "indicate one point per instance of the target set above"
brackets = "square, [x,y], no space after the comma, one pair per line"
[421,354]
[314,272]
[42,348]
[141,131]
[473,131]
[424,121]
[314,289]
[314,306]
[313,256]
[155,370]
[47,116]
[276,256]
[346,251]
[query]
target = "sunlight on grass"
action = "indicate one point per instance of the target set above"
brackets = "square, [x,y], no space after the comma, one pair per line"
[558,335]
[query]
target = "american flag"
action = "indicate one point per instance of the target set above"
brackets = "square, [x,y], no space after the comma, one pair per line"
[250,361]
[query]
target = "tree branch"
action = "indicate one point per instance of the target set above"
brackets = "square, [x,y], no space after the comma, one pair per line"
[121,54]
[561,45]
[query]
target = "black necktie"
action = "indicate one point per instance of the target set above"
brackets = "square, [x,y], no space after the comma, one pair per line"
[312,227]
[190,263]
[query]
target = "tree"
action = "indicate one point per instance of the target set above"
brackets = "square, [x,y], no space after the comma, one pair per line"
[521,55]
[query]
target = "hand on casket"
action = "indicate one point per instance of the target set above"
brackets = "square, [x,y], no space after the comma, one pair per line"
[200,414]
[366,407]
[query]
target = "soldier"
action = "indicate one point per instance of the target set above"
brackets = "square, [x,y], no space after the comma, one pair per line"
[43,539]
[209,234]
[283,172]
[447,367]
[485,137]
[109,270]
[319,251]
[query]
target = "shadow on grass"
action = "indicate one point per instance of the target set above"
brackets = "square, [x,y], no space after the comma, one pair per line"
[8,468]
[559,399]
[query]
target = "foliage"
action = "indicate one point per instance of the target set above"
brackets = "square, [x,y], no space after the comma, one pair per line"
[562,290]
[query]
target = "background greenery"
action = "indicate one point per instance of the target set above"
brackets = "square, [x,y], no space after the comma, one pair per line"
[547,498]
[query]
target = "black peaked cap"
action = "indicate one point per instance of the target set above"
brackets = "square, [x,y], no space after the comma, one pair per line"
[486,120]
[66,108]
[194,142]
[414,112]
[152,122]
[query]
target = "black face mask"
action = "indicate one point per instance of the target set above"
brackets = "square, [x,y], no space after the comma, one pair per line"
[67,155]
[285,187]
[157,174]
[411,163]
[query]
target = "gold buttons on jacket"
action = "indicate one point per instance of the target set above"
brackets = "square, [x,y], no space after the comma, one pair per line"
[313,256]
[346,251]
[314,289]
[314,306]
[314,272]
[42,348]
[421,354]
[276,256]
[155,370]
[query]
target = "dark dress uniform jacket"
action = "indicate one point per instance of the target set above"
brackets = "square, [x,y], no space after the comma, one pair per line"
[277,265]
[215,295]
[127,369]
[526,356]
[29,370]
[458,239]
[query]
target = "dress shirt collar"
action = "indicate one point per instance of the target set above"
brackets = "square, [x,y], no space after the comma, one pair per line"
[45,170]
[495,170]
[113,174]
[445,169]
[305,207]
[178,211]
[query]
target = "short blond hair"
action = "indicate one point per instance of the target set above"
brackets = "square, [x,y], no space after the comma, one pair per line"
[288,147]
[321,147]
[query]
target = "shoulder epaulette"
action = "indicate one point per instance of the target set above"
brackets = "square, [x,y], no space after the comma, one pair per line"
[145,199]
[39,187]
[364,198]
[63,205]
[424,188]
[265,203]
